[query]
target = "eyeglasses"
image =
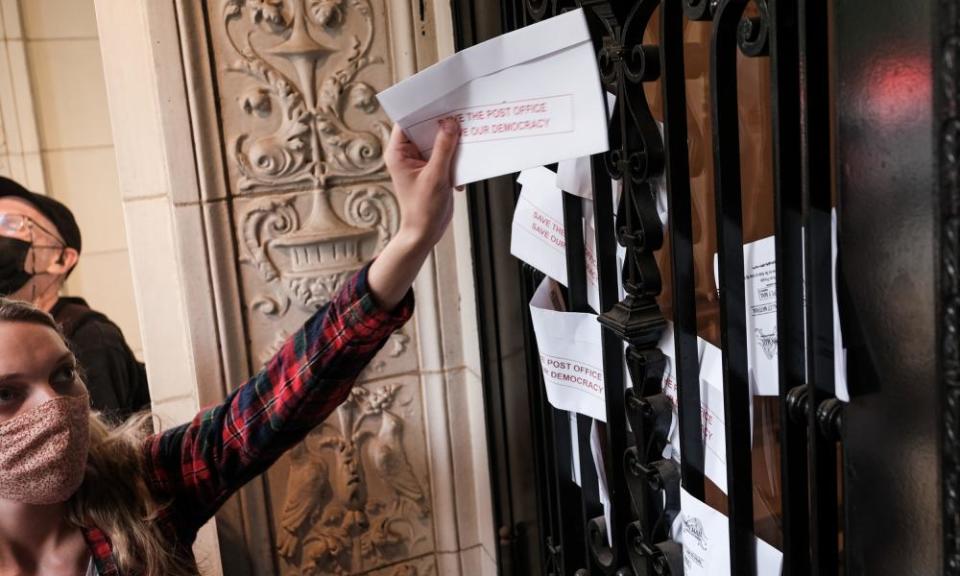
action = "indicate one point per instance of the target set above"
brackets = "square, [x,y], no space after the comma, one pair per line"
[12,224]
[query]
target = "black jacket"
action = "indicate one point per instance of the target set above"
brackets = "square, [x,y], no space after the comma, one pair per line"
[117,381]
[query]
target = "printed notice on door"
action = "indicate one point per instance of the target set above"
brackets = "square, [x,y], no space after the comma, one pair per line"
[705,535]
[760,286]
[760,283]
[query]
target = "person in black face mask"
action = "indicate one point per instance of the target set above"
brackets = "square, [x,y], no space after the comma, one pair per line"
[40,245]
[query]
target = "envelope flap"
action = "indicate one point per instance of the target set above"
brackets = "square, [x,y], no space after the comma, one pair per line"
[529,43]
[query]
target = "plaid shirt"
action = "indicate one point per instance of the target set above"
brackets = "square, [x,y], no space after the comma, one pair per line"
[195,467]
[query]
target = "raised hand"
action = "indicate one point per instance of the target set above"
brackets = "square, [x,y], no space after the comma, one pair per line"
[425,194]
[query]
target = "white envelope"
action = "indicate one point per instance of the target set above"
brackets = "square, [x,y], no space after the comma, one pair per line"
[841,387]
[527,98]
[573,176]
[574,449]
[705,535]
[571,355]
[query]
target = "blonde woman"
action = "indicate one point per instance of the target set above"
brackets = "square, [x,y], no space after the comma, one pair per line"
[79,498]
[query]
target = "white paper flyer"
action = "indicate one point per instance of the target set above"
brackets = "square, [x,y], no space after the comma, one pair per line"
[705,535]
[538,236]
[571,355]
[596,449]
[712,422]
[760,286]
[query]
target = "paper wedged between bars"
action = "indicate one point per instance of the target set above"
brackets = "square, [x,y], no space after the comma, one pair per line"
[705,535]
[596,450]
[712,420]
[759,283]
[571,354]
[528,98]
[538,235]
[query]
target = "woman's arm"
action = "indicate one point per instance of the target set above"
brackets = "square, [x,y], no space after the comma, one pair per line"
[197,466]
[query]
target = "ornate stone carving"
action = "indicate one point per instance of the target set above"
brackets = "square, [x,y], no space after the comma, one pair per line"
[305,118]
[307,263]
[302,59]
[421,567]
[353,500]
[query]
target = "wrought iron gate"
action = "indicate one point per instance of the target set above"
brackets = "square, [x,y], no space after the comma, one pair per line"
[552,526]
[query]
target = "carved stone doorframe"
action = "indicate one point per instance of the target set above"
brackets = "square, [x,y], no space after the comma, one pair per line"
[249,145]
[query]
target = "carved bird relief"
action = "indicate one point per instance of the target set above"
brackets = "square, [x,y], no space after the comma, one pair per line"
[308,490]
[390,461]
[329,525]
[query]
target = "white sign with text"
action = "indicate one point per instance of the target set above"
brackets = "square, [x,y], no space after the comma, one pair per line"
[712,422]
[538,236]
[527,98]
[760,286]
[705,535]
[571,355]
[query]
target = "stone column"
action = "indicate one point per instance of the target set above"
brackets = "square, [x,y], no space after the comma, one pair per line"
[250,152]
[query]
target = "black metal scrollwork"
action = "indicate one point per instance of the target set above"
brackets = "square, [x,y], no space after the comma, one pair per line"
[643,488]
[636,158]
[639,480]
[753,34]
[699,10]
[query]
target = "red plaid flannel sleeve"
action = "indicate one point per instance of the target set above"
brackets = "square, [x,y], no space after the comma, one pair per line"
[101,549]
[197,466]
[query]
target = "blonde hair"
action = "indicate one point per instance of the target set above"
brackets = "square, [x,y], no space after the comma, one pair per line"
[114,496]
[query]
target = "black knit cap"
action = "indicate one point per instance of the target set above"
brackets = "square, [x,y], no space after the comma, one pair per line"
[60,215]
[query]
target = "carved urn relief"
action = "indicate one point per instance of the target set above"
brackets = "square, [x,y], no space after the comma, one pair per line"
[306,260]
[301,116]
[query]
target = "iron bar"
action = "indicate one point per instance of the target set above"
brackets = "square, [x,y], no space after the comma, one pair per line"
[613,375]
[785,101]
[636,156]
[575,247]
[816,189]
[571,518]
[733,333]
[549,461]
[686,370]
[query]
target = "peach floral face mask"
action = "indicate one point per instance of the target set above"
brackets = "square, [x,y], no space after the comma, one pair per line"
[43,452]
